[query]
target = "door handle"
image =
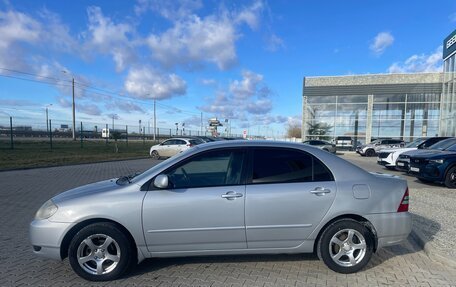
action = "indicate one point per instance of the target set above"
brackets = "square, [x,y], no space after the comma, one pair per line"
[320,191]
[231,195]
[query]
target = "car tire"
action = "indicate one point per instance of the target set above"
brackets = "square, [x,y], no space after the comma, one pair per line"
[346,246]
[155,155]
[370,152]
[450,178]
[100,252]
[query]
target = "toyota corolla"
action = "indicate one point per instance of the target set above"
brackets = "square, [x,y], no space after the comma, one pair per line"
[230,197]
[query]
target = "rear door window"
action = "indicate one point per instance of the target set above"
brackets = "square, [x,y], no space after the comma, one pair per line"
[272,165]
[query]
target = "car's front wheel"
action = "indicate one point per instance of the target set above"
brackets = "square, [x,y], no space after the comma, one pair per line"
[346,246]
[450,178]
[100,252]
[370,152]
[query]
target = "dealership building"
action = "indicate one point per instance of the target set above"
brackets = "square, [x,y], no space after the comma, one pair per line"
[402,106]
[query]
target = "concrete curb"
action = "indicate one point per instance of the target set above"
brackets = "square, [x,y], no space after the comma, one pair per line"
[430,250]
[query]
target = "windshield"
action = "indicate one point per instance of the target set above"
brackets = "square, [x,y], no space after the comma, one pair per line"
[415,143]
[147,174]
[443,145]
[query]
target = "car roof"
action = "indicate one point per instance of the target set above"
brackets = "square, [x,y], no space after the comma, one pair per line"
[249,143]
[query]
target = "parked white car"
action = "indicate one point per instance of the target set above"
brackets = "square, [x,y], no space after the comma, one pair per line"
[173,146]
[388,157]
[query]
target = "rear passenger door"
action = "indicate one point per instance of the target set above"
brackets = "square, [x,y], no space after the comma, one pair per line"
[288,192]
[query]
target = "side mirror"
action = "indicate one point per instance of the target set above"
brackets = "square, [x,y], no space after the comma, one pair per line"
[161,181]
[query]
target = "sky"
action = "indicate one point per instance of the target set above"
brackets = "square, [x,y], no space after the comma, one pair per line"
[238,60]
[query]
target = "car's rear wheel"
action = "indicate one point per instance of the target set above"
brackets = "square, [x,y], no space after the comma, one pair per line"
[370,152]
[346,246]
[155,155]
[100,252]
[450,178]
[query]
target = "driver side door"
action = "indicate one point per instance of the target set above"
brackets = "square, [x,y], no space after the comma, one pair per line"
[203,207]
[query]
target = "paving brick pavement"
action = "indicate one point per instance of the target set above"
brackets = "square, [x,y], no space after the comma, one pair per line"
[22,192]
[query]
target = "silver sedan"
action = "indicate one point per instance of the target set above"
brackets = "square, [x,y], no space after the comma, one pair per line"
[324,145]
[230,197]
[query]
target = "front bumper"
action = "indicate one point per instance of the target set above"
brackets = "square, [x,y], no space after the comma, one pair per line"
[402,165]
[46,237]
[391,228]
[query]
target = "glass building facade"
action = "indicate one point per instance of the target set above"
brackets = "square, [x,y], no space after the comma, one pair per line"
[400,106]
[448,103]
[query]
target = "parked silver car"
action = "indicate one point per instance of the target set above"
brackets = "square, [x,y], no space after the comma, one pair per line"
[173,146]
[372,148]
[324,145]
[229,197]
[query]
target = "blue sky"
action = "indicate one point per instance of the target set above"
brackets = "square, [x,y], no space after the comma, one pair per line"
[241,60]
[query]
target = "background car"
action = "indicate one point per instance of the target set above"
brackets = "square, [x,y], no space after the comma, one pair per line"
[388,157]
[436,165]
[343,142]
[196,203]
[173,146]
[324,145]
[403,161]
[372,148]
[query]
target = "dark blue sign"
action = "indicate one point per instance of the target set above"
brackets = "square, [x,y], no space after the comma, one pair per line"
[449,44]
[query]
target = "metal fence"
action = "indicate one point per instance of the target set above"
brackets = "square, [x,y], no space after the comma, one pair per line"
[12,130]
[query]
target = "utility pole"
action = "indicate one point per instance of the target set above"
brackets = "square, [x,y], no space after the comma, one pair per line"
[201,126]
[155,120]
[74,116]
[47,119]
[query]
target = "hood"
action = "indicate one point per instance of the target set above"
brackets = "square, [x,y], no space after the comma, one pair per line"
[85,190]
[435,154]
[399,150]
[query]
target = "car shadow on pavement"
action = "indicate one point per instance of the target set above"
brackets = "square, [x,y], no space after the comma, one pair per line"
[157,264]
[410,245]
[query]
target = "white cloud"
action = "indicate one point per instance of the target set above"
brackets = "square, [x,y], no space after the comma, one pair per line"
[250,15]
[419,63]
[147,83]
[243,99]
[196,40]
[16,28]
[274,43]
[108,37]
[193,41]
[382,41]
[208,82]
[247,86]
[170,10]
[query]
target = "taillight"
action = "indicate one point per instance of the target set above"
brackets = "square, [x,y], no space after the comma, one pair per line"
[404,202]
[189,145]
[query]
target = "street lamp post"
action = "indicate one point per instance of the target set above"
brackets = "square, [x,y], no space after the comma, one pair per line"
[73,106]
[155,121]
[47,118]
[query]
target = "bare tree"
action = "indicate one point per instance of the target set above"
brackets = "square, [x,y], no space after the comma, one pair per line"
[294,131]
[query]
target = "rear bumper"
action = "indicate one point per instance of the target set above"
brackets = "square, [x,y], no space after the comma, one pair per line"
[391,228]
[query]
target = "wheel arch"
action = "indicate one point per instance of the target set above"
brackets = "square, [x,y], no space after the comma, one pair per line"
[75,229]
[355,217]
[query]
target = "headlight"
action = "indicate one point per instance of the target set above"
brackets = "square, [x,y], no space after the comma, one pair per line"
[47,210]
[439,161]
